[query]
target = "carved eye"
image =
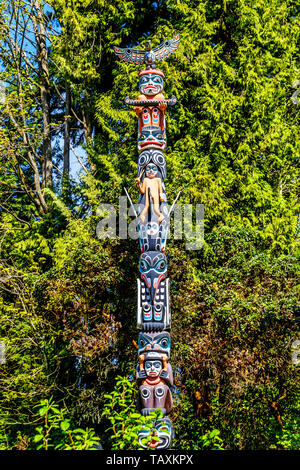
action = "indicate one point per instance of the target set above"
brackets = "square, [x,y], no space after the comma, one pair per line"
[143,265]
[145,393]
[142,342]
[161,265]
[159,392]
[164,342]
[155,110]
[162,428]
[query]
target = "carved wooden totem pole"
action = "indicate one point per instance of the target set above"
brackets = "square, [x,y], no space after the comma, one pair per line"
[154,373]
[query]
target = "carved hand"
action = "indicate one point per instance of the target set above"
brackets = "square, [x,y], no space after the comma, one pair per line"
[165,360]
[162,106]
[138,110]
[141,359]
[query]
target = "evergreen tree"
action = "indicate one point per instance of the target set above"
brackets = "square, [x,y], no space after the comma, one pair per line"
[68,299]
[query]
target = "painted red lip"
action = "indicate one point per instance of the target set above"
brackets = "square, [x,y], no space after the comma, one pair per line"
[153,444]
[149,143]
[150,86]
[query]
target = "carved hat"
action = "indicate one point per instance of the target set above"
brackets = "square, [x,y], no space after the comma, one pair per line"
[154,356]
[152,71]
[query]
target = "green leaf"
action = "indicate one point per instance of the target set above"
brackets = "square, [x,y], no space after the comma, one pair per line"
[65,425]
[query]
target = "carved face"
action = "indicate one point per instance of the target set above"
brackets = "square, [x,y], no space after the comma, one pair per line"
[152,137]
[155,156]
[153,269]
[153,368]
[151,170]
[163,429]
[160,342]
[152,117]
[151,84]
[152,228]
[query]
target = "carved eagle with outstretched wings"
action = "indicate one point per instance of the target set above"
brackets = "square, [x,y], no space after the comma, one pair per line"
[149,56]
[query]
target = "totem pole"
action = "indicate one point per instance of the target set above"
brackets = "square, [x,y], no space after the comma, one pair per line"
[154,373]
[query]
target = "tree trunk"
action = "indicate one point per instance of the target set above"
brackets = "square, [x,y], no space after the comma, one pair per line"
[42,57]
[67,134]
[88,130]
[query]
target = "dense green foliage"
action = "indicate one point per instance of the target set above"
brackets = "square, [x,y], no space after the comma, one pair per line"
[68,300]
[56,431]
[120,410]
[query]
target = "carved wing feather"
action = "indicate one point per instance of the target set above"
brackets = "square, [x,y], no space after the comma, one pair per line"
[166,48]
[133,56]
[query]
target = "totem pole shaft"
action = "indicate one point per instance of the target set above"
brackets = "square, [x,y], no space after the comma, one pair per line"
[154,373]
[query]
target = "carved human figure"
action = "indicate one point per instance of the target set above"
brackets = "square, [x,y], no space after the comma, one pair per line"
[151,187]
[151,83]
[151,128]
[155,376]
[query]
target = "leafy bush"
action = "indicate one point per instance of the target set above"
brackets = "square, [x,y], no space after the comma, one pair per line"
[57,433]
[125,421]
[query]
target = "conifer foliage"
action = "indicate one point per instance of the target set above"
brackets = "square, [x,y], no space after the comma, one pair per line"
[68,309]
